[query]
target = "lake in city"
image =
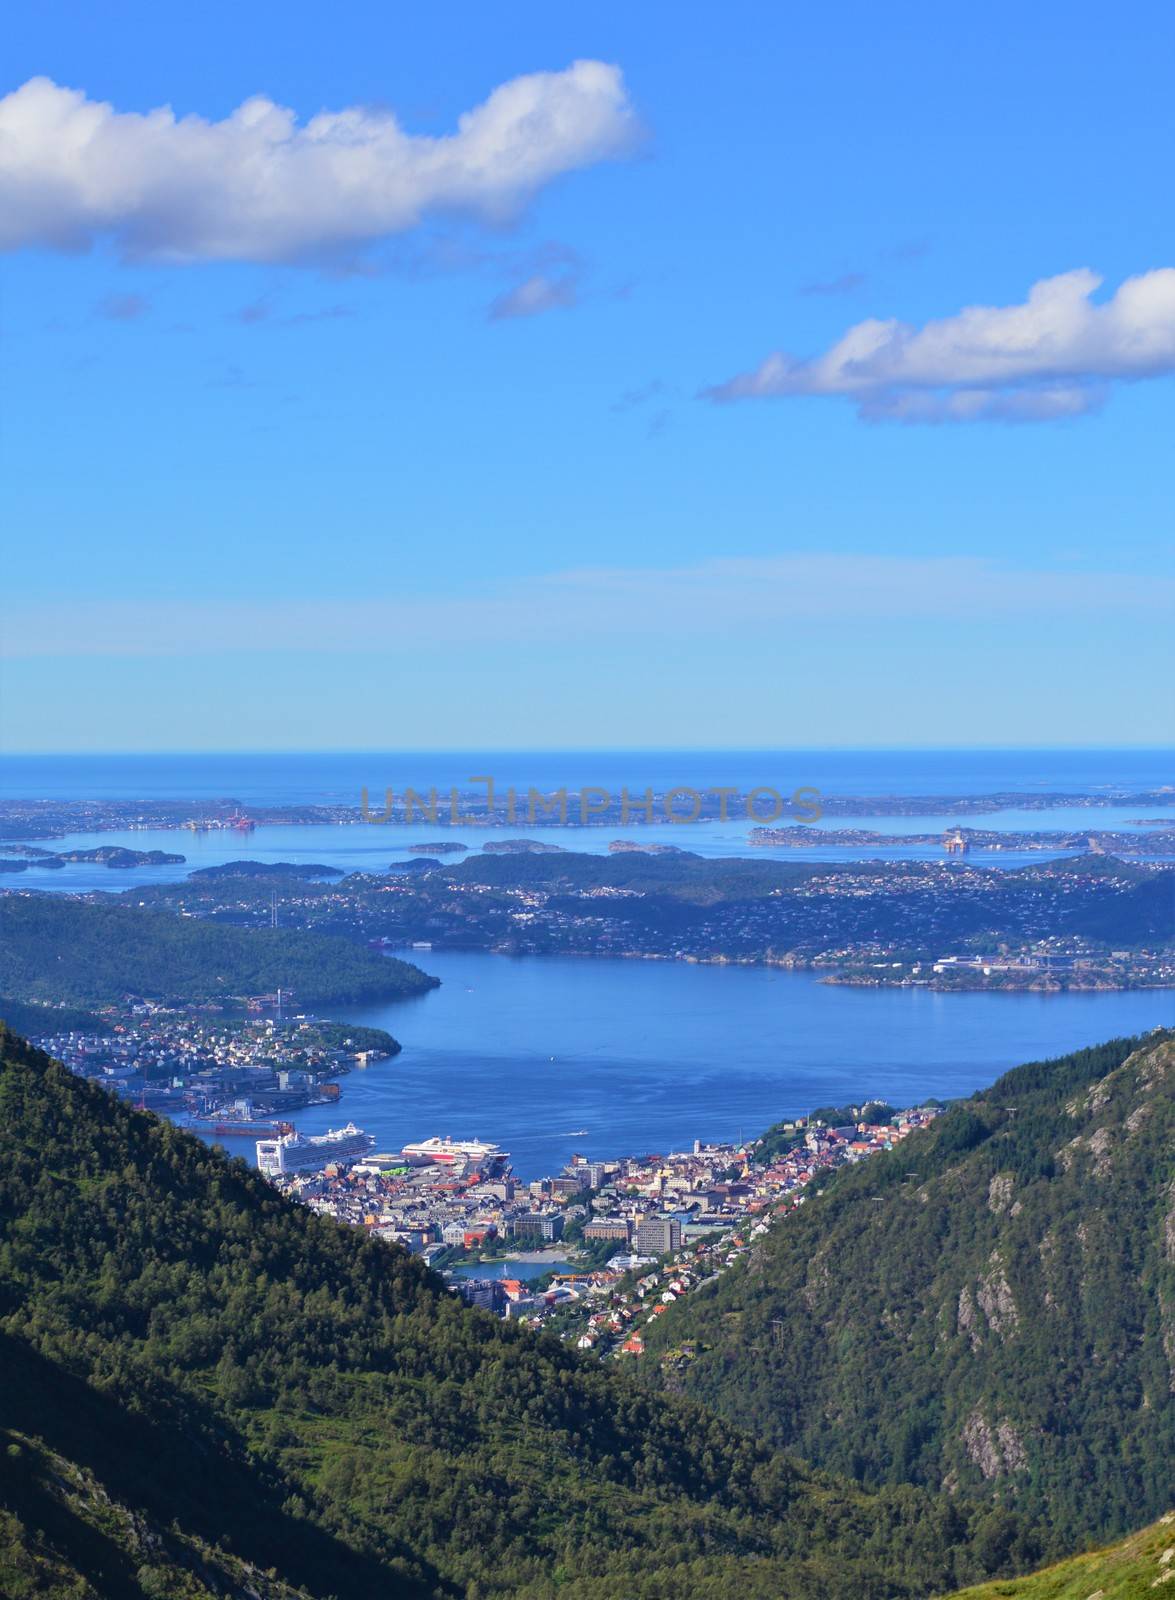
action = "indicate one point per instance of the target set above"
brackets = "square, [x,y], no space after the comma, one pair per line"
[523,1270]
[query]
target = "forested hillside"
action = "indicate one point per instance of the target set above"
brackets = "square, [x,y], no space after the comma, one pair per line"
[988,1309]
[199,1378]
[58,948]
[36,1018]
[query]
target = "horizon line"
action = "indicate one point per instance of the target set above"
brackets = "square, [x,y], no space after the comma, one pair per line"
[594,749]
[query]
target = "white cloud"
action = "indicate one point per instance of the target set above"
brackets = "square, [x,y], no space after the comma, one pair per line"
[259,187]
[534,296]
[1053,356]
[707,600]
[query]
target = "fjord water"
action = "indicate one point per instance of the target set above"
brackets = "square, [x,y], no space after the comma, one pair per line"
[642,1055]
[649,1055]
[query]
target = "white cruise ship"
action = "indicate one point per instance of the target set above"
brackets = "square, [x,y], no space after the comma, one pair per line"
[298,1152]
[455,1152]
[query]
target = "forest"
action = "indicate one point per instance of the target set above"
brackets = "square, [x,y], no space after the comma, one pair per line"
[59,948]
[205,1387]
[989,1308]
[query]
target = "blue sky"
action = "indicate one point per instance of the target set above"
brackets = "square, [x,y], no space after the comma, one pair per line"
[509,463]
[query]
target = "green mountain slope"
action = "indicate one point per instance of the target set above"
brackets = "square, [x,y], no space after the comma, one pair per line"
[201,1382]
[1131,1570]
[33,1018]
[57,948]
[989,1308]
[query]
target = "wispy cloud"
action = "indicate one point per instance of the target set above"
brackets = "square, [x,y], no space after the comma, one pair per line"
[842,285]
[534,295]
[123,307]
[230,378]
[632,399]
[705,600]
[907,250]
[1053,356]
[302,319]
[257,186]
[260,313]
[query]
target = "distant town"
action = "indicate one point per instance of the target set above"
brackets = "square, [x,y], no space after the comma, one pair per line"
[233,1075]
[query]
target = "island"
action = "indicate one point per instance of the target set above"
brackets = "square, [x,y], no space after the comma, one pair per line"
[103,855]
[522,847]
[619,847]
[112,855]
[269,869]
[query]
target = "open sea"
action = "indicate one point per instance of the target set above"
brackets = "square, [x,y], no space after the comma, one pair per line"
[338,776]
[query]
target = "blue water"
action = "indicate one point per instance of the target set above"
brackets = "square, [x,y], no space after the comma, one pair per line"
[338,777]
[332,778]
[649,1055]
[362,847]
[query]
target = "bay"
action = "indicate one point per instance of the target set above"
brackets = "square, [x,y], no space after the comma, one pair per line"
[548,1056]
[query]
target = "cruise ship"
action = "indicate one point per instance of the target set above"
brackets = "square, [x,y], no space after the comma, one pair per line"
[299,1152]
[455,1152]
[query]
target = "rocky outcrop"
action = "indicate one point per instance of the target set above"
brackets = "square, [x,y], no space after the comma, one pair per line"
[995,1298]
[996,1449]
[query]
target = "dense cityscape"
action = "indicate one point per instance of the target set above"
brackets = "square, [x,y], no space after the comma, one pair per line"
[616,1241]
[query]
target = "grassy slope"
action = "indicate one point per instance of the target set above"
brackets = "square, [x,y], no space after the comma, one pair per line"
[1132,1570]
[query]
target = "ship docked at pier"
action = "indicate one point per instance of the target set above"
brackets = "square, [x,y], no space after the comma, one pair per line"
[299,1152]
[460,1153]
